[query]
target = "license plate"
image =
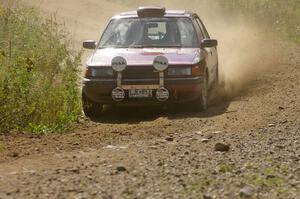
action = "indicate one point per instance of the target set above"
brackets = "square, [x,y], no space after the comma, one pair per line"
[140,93]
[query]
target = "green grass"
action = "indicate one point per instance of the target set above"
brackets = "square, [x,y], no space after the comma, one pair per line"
[278,16]
[268,176]
[39,75]
[2,147]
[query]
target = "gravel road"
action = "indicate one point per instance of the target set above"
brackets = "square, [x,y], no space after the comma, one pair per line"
[243,146]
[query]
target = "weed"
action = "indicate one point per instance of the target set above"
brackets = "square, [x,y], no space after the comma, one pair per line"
[2,147]
[226,168]
[39,75]
[280,17]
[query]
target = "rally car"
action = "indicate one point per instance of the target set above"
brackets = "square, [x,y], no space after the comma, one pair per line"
[151,56]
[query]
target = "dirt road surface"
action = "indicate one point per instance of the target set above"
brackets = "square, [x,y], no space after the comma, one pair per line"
[247,145]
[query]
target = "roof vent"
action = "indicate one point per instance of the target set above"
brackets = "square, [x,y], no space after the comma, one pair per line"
[145,12]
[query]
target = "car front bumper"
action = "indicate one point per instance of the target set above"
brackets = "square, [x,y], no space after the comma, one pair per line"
[181,90]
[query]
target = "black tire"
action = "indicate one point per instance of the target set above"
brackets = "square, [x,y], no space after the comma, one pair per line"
[91,109]
[214,90]
[201,104]
[217,81]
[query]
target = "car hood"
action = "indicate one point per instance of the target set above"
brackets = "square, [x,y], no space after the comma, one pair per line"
[145,56]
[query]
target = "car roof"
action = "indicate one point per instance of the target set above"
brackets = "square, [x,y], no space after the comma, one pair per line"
[168,13]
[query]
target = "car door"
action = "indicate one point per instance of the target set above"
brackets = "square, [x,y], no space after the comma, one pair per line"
[212,54]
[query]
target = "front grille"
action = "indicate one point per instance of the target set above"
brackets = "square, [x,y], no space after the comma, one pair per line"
[140,72]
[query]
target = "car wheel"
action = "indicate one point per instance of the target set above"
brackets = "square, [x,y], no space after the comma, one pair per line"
[204,93]
[217,81]
[201,103]
[90,108]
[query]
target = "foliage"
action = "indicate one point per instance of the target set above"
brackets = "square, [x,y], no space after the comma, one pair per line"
[39,75]
[281,17]
[2,147]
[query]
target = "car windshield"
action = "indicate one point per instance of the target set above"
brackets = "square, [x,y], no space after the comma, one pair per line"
[149,32]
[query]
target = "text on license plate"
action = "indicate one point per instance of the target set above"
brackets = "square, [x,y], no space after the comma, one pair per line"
[140,93]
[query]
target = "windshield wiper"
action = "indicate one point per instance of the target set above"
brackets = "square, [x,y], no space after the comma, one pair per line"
[136,46]
[120,46]
[170,46]
[155,45]
[143,46]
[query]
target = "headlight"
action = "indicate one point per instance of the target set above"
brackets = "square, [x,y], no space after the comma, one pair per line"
[196,59]
[180,71]
[102,72]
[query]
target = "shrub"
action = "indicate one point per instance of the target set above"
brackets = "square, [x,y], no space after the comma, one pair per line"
[39,75]
[281,17]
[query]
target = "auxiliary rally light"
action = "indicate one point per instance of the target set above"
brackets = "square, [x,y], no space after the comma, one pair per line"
[118,64]
[118,94]
[162,94]
[160,63]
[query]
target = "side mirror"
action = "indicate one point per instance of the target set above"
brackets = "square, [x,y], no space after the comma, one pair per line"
[209,43]
[89,44]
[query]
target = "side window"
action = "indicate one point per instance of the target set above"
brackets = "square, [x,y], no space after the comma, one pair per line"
[203,29]
[187,33]
[198,29]
[114,34]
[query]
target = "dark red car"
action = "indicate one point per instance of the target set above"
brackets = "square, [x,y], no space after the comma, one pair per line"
[150,56]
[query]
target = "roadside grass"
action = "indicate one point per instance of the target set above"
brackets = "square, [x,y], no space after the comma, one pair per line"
[226,168]
[39,75]
[277,16]
[270,179]
[2,147]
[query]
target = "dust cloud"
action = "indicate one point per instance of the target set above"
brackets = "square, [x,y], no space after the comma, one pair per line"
[245,50]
